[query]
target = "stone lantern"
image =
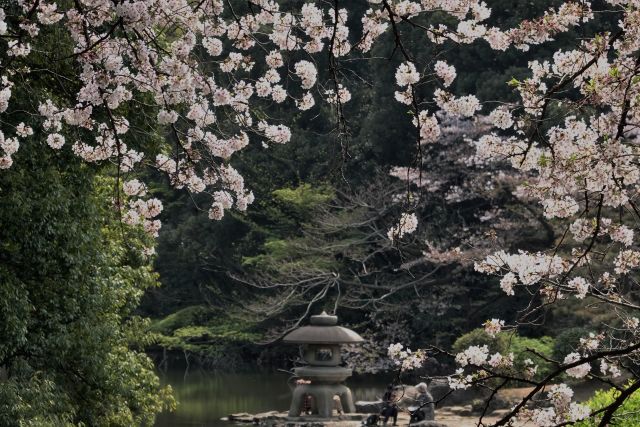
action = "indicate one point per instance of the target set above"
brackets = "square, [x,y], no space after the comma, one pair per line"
[320,343]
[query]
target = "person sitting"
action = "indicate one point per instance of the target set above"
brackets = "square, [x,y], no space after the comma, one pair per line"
[389,406]
[423,408]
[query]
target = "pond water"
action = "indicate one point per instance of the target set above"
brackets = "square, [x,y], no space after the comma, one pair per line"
[205,397]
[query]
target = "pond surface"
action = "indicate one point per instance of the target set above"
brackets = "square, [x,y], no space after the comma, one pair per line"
[205,397]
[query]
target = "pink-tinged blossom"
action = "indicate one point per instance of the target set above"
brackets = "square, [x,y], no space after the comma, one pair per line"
[18,49]
[578,412]
[405,358]
[591,342]
[5,95]
[497,39]
[213,45]
[508,282]
[279,134]
[580,285]
[579,371]
[498,361]
[55,141]
[47,13]
[626,260]
[609,369]
[23,130]
[278,94]
[474,355]
[152,227]
[465,106]
[272,76]
[344,95]
[445,72]
[493,327]
[306,102]
[459,381]
[167,117]
[216,211]
[582,229]
[545,417]
[501,118]
[407,224]
[406,74]
[404,96]
[134,187]
[307,73]
[429,127]
[560,208]
[9,145]
[274,59]
[528,268]
[263,87]
[147,208]
[622,234]
[544,28]
[3,24]
[560,396]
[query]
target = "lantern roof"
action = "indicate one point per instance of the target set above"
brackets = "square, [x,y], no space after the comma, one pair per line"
[323,330]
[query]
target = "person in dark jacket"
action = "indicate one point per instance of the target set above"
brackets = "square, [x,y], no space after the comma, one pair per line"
[389,406]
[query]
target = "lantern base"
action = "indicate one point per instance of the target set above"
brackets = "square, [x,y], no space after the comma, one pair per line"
[322,399]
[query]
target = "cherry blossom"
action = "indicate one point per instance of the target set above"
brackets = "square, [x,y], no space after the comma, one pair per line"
[579,371]
[406,74]
[493,327]
[407,224]
[445,71]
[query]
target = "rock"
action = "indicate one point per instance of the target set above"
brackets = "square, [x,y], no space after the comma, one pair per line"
[426,423]
[242,417]
[364,407]
[497,402]
[443,394]
[269,414]
[460,410]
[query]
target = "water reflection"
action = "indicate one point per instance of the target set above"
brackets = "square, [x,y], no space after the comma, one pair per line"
[205,397]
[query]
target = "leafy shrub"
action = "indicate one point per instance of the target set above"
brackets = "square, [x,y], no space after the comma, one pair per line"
[508,342]
[479,337]
[193,315]
[627,415]
[519,347]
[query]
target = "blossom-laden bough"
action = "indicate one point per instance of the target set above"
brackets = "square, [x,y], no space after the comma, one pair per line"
[210,70]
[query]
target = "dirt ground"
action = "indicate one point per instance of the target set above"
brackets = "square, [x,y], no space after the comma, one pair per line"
[451,416]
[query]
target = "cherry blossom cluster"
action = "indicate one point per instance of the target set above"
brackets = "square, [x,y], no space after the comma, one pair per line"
[405,358]
[217,67]
[561,410]
[582,168]
[407,224]
[478,365]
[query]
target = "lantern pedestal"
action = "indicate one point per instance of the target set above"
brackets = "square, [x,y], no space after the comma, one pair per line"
[322,395]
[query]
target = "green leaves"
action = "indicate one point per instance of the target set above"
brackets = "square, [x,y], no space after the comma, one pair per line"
[70,279]
[304,197]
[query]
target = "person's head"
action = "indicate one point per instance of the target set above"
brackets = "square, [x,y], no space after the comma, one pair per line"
[421,388]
